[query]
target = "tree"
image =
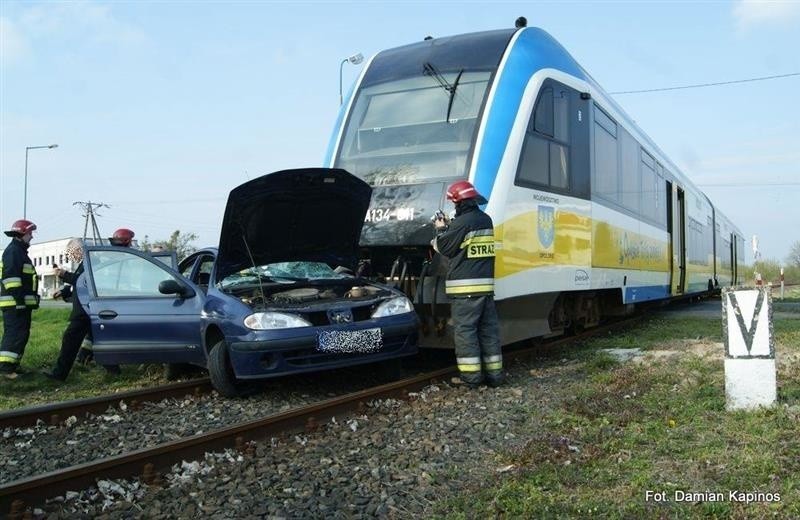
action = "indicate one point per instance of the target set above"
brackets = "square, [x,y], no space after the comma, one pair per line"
[794,255]
[179,242]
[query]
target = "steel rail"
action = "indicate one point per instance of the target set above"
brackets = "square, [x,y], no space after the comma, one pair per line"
[54,413]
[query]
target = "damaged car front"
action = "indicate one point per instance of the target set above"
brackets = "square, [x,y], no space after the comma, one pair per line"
[282,290]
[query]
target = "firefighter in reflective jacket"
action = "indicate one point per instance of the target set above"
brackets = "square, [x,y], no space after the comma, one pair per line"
[468,241]
[18,296]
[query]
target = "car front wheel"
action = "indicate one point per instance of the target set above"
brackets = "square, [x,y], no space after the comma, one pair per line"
[221,372]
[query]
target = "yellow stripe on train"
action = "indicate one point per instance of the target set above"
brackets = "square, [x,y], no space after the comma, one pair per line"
[527,241]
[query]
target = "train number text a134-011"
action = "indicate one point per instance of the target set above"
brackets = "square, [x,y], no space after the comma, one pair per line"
[385,214]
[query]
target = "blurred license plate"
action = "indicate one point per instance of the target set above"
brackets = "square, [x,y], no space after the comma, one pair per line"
[350,341]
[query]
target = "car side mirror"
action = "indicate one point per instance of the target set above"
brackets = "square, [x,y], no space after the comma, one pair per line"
[175,287]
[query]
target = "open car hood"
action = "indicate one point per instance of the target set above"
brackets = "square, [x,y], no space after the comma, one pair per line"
[309,214]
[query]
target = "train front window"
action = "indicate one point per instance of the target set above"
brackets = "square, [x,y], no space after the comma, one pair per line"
[414,129]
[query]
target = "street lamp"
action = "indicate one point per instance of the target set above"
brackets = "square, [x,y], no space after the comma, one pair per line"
[25,199]
[355,59]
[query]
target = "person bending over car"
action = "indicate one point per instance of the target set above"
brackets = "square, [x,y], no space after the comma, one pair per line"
[79,326]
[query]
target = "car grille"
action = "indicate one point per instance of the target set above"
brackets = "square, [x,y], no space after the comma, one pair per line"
[321,318]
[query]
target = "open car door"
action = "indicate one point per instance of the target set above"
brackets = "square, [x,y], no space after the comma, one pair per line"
[141,310]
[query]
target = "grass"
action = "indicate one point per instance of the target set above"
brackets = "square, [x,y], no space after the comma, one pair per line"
[42,351]
[660,426]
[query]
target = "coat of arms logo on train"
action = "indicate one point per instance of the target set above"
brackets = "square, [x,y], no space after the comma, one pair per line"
[546,225]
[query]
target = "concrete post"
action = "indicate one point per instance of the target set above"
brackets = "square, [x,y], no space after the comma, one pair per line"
[750,379]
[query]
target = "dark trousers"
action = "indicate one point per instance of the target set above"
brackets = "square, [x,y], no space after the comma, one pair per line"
[77,329]
[476,332]
[16,331]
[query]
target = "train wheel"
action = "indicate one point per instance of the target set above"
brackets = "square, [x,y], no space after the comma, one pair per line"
[221,372]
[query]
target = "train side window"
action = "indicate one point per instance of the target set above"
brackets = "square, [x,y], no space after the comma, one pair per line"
[544,158]
[606,160]
[650,184]
[543,114]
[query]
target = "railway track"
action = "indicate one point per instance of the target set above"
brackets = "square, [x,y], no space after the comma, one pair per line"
[54,413]
[150,463]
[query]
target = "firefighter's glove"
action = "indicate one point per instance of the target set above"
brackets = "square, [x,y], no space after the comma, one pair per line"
[85,356]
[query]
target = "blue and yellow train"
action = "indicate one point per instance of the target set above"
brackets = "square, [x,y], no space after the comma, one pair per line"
[591,217]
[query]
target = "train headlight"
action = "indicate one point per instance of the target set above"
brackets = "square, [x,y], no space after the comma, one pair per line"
[274,320]
[399,305]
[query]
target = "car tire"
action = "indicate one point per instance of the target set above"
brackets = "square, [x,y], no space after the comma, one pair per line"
[221,372]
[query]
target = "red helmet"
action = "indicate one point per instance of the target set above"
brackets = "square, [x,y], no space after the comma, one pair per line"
[122,237]
[463,190]
[20,227]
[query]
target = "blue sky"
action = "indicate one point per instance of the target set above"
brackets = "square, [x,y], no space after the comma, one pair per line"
[160,108]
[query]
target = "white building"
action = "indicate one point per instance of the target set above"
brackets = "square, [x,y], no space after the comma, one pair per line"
[46,255]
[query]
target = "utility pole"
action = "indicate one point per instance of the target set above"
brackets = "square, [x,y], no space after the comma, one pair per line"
[89,215]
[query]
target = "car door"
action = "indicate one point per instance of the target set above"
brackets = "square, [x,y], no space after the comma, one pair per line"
[131,320]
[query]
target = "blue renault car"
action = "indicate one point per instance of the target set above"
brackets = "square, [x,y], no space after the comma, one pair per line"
[276,297]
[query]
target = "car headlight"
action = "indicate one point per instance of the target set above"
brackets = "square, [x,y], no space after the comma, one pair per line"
[274,320]
[399,305]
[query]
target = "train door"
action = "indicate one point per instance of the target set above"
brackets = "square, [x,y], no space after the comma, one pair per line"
[677,226]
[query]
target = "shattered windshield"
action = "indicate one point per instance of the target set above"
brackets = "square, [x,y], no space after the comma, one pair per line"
[285,272]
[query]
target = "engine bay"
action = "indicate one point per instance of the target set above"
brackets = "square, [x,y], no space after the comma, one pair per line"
[272,296]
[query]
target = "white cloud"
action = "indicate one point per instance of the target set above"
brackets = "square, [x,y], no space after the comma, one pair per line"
[13,46]
[751,13]
[75,21]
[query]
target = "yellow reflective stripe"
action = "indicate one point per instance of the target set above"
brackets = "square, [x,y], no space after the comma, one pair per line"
[479,233]
[468,360]
[7,301]
[6,356]
[494,366]
[469,289]
[30,298]
[12,281]
[28,269]
[469,368]
[477,240]
[469,281]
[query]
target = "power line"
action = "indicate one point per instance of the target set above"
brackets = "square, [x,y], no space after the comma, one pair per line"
[763,78]
[747,184]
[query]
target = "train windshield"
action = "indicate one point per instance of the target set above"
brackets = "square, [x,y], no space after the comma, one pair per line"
[417,109]
[401,131]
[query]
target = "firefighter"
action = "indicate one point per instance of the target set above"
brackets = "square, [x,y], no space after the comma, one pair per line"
[18,296]
[122,237]
[468,241]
